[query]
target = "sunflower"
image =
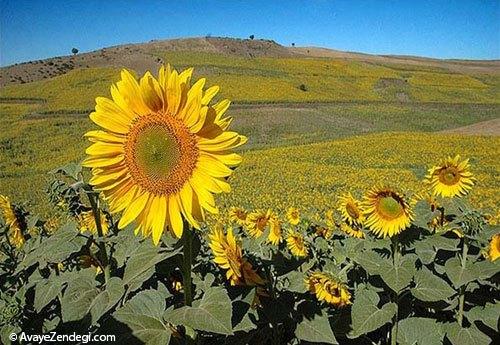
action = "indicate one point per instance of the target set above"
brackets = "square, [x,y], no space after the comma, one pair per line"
[163,151]
[293,216]
[296,244]
[452,177]
[494,248]
[229,256]
[350,209]
[257,222]
[16,237]
[323,231]
[327,289]
[238,215]
[274,231]
[330,219]
[387,212]
[352,230]
[86,221]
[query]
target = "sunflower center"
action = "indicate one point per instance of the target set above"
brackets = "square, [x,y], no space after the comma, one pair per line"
[389,207]
[161,153]
[449,176]
[352,210]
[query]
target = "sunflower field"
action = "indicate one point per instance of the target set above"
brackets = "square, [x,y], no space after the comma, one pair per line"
[158,236]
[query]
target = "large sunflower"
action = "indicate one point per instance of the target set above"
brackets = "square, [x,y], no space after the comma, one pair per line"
[16,237]
[229,256]
[162,152]
[387,212]
[350,209]
[452,177]
[327,289]
[494,248]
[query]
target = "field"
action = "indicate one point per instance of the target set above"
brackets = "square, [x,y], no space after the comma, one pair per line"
[300,268]
[43,121]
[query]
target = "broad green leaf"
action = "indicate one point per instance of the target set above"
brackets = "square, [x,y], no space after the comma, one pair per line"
[316,330]
[143,315]
[141,266]
[6,331]
[489,315]
[441,242]
[366,316]
[106,299]
[429,287]
[425,251]
[419,331]
[459,275]
[47,291]
[212,313]
[486,269]
[465,336]
[398,275]
[79,295]
[296,282]
[373,263]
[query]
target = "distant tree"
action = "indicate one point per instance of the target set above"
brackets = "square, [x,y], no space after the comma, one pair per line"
[74,51]
[252,37]
[293,44]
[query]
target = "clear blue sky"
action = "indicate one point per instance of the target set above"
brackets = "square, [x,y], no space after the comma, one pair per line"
[444,29]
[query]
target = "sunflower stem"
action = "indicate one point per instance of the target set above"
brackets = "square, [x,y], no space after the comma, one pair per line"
[186,266]
[461,298]
[94,203]
[395,295]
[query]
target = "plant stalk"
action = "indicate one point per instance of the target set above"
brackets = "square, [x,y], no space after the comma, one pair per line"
[395,297]
[461,299]
[94,203]
[186,266]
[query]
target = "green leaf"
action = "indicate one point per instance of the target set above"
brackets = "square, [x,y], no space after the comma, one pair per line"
[459,275]
[141,266]
[78,296]
[6,331]
[366,316]
[143,315]
[441,242]
[465,336]
[489,315]
[106,299]
[420,331]
[486,269]
[429,287]
[372,262]
[47,291]
[212,313]
[425,251]
[316,330]
[295,282]
[398,275]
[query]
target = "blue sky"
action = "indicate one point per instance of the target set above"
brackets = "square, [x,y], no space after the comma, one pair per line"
[445,29]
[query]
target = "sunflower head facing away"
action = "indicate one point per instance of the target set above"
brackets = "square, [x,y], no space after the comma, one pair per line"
[387,212]
[296,244]
[86,222]
[494,248]
[350,209]
[238,215]
[228,255]
[327,289]
[452,177]
[13,222]
[162,152]
[275,231]
[293,215]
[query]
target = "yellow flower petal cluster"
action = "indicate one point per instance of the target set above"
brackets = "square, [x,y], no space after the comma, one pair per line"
[452,177]
[163,151]
[86,222]
[238,215]
[494,248]
[387,212]
[228,255]
[293,215]
[257,221]
[275,231]
[16,237]
[323,231]
[352,230]
[350,209]
[296,244]
[327,289]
